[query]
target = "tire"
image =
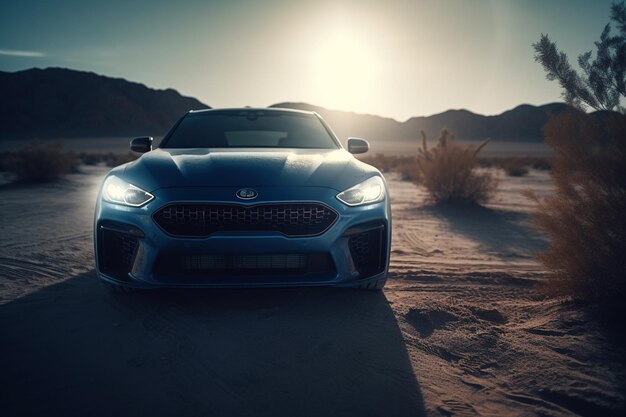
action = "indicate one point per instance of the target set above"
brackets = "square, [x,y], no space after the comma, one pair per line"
[376,285]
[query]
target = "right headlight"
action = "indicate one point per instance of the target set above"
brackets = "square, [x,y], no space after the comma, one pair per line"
[118,191]
[369,191]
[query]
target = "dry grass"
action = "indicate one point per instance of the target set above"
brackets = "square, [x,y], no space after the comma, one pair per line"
[40,162]
[408,169]
[110,159]
[116,159]
[405,165]
[586,218]
[448,171]
[91,158]
[515,167]
[542,163]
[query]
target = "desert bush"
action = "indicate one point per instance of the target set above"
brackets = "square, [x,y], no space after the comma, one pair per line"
[384,163]
[111,159]
[41,162]
[409,171]
[448,171]
[543,163]
[586,218]
[89,158]
[406,166]
[115,159]
[514,167]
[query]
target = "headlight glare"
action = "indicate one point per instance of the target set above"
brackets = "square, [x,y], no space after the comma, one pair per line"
[119,191]
[369,191]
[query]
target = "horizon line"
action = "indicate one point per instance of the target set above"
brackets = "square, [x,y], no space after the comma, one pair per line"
[35,54]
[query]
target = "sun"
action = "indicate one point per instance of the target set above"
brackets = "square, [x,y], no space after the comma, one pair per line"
[343,69]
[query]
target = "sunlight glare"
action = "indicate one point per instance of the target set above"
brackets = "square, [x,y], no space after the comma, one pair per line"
[344,69]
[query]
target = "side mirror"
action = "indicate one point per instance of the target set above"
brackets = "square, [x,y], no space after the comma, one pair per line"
[356,145]
[142,144]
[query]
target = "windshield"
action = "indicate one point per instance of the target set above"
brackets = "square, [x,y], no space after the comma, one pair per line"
[250,129]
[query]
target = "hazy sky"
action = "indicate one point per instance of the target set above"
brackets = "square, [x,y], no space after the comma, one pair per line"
[386,57]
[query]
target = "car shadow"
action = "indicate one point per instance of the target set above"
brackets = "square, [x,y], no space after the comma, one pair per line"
[507,233]
[75,349]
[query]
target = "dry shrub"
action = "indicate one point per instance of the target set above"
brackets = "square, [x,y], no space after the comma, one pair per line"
[542,163]
[448,171]
[115,159]
[406,166]
[381,161]
[409,171]
[110,159]
[41,162]
[586,218]
[514,167]
[89,158]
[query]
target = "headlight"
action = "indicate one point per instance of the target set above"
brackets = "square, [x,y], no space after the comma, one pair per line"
[118,191]
[369,191]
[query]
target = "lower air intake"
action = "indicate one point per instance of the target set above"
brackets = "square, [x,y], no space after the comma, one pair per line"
[117,251]
[244,265]
[368,249]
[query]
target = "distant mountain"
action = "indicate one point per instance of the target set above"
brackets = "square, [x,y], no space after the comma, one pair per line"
[523,123]
[60,103]
[346,124]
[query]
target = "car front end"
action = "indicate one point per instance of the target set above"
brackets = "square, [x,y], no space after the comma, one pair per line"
[221,218]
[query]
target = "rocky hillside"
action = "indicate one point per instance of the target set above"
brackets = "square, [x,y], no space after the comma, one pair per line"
[523,123]
[60,103]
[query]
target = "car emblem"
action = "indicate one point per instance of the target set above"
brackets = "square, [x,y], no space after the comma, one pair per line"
[247,194]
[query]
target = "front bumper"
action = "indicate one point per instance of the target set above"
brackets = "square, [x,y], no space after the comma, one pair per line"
[131,250]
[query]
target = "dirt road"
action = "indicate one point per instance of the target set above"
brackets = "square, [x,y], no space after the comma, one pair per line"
[458,331]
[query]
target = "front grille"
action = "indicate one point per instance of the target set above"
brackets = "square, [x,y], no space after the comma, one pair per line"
[117,252]
[228,265]
[368,250]
[204,219]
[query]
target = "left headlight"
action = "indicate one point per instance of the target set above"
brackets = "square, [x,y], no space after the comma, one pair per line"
[369,191]
[119,191]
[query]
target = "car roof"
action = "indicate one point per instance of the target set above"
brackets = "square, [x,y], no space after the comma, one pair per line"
[254,109]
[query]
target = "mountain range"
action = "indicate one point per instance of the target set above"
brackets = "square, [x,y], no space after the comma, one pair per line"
[523,123]
[61,103]
[58,103]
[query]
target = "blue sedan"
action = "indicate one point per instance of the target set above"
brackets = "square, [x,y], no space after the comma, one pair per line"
[244,198]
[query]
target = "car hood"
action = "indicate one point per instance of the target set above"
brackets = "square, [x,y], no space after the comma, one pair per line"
[333,168]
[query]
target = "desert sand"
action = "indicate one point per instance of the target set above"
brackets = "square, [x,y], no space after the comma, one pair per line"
[459,330]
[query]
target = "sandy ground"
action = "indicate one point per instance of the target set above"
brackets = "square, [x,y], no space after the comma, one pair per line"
[459,330]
